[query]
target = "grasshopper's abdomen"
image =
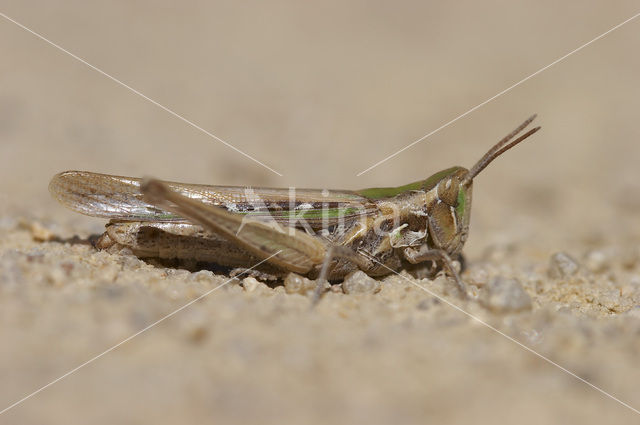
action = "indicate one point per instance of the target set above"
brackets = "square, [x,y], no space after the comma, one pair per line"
[180,241]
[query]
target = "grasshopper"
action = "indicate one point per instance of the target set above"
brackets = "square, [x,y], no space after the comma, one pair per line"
[324,234]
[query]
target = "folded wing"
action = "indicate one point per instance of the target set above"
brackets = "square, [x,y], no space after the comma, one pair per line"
[120,198]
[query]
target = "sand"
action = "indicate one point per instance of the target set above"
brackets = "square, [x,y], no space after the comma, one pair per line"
[551,330]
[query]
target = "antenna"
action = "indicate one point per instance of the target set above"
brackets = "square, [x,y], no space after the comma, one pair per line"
[499,148]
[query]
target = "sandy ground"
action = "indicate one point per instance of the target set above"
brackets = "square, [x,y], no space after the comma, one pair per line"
[319,93]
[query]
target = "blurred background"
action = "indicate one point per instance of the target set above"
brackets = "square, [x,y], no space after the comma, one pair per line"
[320,91]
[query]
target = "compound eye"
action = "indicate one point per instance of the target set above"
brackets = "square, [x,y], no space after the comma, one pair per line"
[448,191]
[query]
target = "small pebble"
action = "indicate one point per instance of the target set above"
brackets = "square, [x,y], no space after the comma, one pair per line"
[296,284]
[478,277]
[596,261]
[40,233]
[250,283]
[336,289]
[562,265]
[506,296]
[201,276]
[358,282]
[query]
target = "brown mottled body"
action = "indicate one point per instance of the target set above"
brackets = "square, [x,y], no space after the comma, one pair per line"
[312,232]
[402,220]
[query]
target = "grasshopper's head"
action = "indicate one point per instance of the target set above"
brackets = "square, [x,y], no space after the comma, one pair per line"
[449,211]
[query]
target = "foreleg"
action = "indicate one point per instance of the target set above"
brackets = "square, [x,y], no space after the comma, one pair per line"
[424,253]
